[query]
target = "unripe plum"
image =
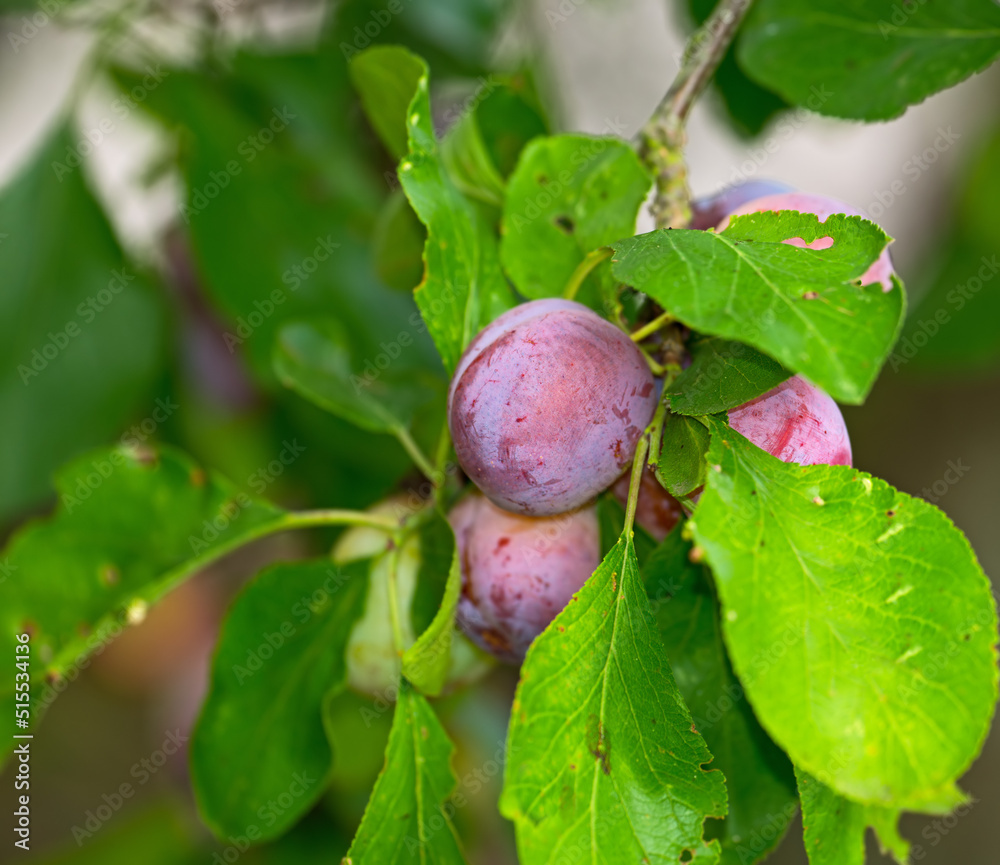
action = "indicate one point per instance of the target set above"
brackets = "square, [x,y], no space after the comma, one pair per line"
[547,405]
[655,509]
[372,660]
[707,212]
[518,572]
[797,423]
[881,270]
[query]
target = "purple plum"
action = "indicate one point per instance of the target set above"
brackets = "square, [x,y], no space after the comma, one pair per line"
[797,423]
[518,572]
[547,405]
[709,211]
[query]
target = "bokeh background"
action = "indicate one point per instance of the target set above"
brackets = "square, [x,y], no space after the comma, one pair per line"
[117,115]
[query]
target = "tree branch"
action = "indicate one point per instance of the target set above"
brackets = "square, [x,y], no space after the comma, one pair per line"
[661,140]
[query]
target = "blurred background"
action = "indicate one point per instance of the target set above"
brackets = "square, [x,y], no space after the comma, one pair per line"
[208,152]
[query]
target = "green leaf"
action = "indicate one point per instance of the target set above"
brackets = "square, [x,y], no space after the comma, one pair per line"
[857,619]
[132,524]
[81,332]
[281,653]
[457,37]
[318,361]
[437,552]
[723,374]
[681,466]
[569,195]
[867,59]
[835,826]
[508,119]
[604,762]
[427,661]
[158,835]
[759,778]
[398,244]
[282,195]
[405,821]
[463,288]
[469,162]
[386,78]
[803,307]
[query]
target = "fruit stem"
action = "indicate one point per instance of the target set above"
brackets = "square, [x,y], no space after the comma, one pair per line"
[652,327]
[416,454]
[336,517]
[661,141]
[655,366]
[659,418]
[583,269]
[649,445]
[397,627]
[638,466]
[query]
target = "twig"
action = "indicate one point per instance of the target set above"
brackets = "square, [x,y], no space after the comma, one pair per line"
[661,140]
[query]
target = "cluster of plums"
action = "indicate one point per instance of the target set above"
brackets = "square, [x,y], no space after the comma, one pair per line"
[546,408]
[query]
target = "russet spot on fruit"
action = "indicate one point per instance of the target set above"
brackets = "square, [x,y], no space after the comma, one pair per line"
[547,405]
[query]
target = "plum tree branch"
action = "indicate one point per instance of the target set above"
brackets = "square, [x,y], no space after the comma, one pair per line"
[661,141]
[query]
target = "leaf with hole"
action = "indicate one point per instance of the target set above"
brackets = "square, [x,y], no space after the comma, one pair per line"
[858,620]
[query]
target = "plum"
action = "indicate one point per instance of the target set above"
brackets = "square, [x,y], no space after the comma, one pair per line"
[372,661]
[881,270]
[518,572]
[655,510]
[546,406]
[797,423]
[708,211]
